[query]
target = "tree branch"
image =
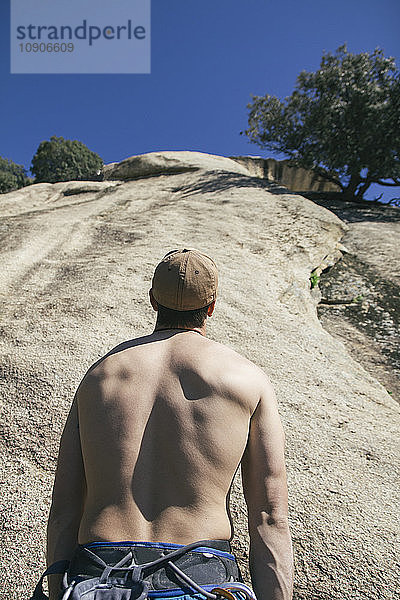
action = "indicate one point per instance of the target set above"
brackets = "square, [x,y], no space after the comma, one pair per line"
[364,184]
[396,182]
[325,175]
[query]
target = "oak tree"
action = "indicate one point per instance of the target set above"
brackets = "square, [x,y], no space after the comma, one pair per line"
[342,121]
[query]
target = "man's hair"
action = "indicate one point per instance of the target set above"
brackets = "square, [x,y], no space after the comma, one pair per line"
[176,319]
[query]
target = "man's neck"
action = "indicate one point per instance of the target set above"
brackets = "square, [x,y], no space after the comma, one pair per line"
[161,327]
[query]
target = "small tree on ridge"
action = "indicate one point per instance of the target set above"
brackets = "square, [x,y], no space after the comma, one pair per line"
[64,160]
[343,121]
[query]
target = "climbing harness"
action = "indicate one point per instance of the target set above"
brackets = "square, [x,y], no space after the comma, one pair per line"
[132,584]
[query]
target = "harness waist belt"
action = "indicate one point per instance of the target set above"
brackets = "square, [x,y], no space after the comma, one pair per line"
[210,564]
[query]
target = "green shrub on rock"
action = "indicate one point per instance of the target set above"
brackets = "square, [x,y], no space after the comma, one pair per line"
[65,160]
[12,176]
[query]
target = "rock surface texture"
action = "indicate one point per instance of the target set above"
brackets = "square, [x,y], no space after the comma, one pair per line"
[295,179]
[76,265]
[360,294]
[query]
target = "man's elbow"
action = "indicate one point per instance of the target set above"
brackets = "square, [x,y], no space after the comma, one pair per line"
[265,521]
[279,520]
[63,521]
[64,513]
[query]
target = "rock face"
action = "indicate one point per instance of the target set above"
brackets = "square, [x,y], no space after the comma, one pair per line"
[295,179]
[76,266]
[169,163]
[360,295]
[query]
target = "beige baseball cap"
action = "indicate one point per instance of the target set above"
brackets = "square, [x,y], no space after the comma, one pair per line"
[185,279]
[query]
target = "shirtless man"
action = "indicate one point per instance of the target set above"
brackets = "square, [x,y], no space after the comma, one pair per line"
[156,432]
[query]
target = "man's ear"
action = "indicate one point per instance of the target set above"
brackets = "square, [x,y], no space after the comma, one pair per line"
[211,308]
[153,301]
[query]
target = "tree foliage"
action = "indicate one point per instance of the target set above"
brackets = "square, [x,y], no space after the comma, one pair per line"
[12,176]
[343,121]
[65,160]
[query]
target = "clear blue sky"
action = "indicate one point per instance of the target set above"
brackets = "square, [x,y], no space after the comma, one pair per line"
[207,59]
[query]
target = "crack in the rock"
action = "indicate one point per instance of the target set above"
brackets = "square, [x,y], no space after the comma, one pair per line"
[369,304]
[326,264]
[325,302]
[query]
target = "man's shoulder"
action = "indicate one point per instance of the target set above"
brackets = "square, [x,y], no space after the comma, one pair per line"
[237,360]
[111,361]
[238,373]
[107,366]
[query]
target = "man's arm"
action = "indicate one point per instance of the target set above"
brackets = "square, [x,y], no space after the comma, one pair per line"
[265,491]
[68,498]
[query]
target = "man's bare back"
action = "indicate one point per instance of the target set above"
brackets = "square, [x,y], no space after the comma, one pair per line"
[157,430]
[164,423]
